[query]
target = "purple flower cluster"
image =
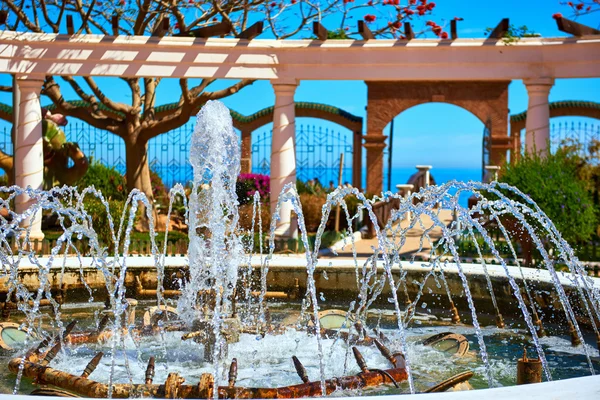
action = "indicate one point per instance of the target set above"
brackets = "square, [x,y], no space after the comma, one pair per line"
[256,182]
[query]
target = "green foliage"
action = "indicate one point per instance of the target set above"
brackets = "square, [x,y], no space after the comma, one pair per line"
[515,33]
[97,211]
[159,190]
[106,179]
[310,187]
[552,182]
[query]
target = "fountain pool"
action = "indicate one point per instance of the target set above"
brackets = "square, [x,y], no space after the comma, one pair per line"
[219,303]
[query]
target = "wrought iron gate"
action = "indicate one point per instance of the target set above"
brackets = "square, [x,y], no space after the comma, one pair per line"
[318,152]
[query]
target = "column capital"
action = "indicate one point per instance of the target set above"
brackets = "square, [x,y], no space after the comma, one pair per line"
[541,81]
[26,83]
[285,85]
[375,138]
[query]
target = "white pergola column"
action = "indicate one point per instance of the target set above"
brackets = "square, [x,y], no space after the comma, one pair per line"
[537,125]
[29,150]
[283,154]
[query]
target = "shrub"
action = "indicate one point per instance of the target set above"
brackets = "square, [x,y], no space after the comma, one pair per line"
[105,179]
[159,190]
[97,211]
[248,184]
[552,182]
[312,205]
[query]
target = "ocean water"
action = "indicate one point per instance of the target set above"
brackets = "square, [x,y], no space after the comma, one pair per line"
[181,174]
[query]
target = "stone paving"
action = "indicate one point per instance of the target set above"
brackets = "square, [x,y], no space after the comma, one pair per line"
[412,243]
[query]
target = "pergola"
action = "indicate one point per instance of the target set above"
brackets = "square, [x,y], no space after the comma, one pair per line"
[536,61]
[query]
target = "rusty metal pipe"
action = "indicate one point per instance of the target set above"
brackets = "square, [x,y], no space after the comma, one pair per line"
[386,353]
[575,341]
[362,364]
[529,370]
[53,352]
[454,312]
[300,370]
[91,367]
[86,387]
[233,373]
[150,371]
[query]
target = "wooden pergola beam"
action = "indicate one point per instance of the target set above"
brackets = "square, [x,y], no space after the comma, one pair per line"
[70,27]
[219,29]
[319,30]
[252,32]
[364,31]
[453,29]
[162,28]
[575,28]
[408,31]
[115,24]
[500,30]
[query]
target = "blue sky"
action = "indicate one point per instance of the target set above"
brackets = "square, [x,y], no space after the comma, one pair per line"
[439,134]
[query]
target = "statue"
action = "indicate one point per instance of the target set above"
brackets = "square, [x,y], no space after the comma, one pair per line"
[57,154]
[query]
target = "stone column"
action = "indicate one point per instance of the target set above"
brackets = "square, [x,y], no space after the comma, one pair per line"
[426,169]
[375,144]
[246,160]
[283,154]
[537,126]
[357,160]
[29,151]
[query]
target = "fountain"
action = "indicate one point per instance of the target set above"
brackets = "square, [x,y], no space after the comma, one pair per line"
[224,323]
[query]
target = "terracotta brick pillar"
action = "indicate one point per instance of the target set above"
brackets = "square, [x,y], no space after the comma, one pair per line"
[246,161]
[375,144]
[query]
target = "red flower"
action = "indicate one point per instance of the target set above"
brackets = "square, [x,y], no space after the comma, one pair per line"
[588,8]
[421,12]
[397,24]
[409,11]
[370,18]
[570,3]
[437,30]
[412,2]
[293,1]
[273,4]
[423,2]
[190,1]
[458,18]
[420,7]
[579,6]
[396,2]
[430,23]
[557,16]
[444,35]
[370,2]
[176,25]
[122,2]
[430,6]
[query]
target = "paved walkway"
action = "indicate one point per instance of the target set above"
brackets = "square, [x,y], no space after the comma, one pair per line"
[412,242]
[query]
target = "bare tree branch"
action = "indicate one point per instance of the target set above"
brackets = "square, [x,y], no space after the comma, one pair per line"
[109,123]
[119,107]
[23,17]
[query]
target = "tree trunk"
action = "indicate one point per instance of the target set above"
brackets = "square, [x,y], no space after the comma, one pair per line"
[138,176]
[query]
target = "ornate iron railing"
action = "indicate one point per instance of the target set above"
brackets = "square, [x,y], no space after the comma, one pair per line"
[317,151]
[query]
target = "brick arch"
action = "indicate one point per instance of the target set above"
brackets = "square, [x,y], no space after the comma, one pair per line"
[565,108]
[487,100]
